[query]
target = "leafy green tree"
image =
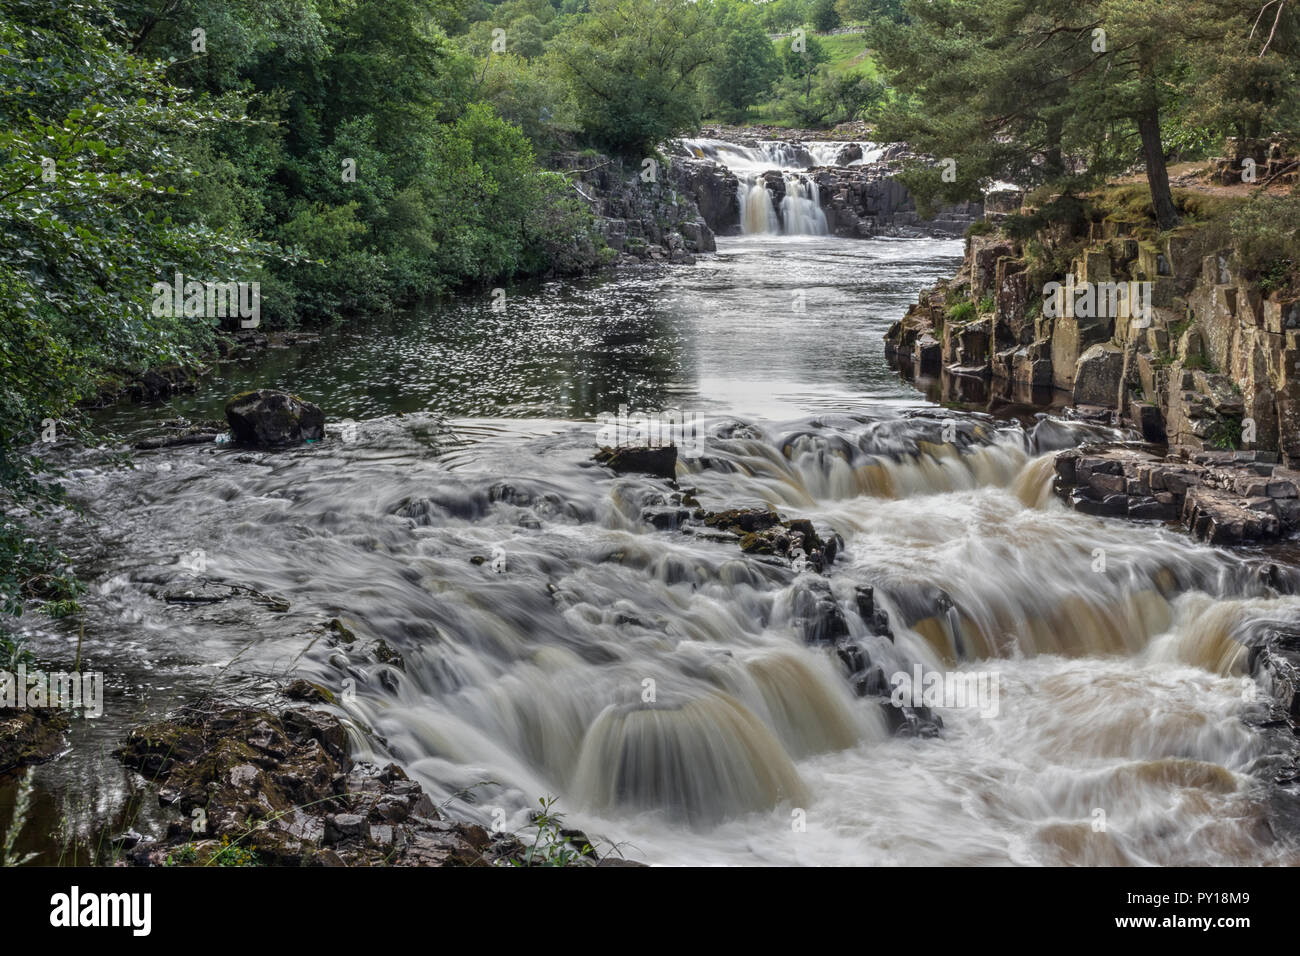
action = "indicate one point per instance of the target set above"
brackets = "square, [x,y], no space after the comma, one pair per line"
[801,65]
[866,11]
[89,136]
[851,95]
[1059,91]
[533,95]
[825,17]
[633,66]
[745,65]
[782,16]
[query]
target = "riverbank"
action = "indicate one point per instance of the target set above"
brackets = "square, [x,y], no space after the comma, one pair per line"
[253,787]
[1185,337]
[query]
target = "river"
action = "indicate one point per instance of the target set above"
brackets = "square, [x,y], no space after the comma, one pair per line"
[659,683]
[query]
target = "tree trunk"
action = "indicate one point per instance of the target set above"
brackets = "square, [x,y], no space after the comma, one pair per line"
[1053,160]
[1157,172]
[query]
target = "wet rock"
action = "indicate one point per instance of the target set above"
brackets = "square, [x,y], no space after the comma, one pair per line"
[764,532]
[1275,665]
[817,614]
[306,690]
[179,431]
[156,384]
[127,840]
[876,619]
[660,462]
[666,519]
[267,418]
[912,721]
[280,789]
[30,735]
[1220,497]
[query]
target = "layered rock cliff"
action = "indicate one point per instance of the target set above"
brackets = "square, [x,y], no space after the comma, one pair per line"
[648,218]
[1164,331]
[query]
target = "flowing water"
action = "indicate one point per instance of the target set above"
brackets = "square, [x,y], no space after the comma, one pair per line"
[799,212]
[660,683]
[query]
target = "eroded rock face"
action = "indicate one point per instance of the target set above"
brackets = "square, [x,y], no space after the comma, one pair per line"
[714,189]
[865,201]
[1097,376]
[1201,358]
[268,418]
[652,217]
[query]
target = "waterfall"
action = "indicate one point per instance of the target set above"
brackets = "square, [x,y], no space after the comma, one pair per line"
[757,214]
[799,212]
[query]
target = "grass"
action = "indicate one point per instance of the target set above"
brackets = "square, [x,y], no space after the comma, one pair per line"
[1131,203]
[848,51]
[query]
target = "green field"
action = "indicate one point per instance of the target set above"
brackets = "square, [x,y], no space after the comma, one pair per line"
[848,51]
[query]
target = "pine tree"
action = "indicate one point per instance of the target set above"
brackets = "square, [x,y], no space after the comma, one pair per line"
[1064,92]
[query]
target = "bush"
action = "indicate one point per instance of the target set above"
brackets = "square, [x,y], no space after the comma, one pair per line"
[1266,239]
[961,312]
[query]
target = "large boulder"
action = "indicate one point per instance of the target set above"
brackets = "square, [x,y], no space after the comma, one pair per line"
[1097,376]
[268,418]
[659,461]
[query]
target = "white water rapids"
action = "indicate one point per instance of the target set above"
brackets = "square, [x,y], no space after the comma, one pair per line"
[1122,731]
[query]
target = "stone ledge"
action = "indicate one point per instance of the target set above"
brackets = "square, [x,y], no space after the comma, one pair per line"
[1224,498]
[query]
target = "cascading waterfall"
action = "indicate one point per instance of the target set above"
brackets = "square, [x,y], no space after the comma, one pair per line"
[800,212]
[757,214]
[663,687]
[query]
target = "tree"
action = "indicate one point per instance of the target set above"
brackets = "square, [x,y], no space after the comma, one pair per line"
[1059,91]
[633,65]
[801,64]
[825,17]
[865,11]
[745,64]
[93,145]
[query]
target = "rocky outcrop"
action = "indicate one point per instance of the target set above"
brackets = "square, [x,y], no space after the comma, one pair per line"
[1274,161]
[251,787]
[1098,374]
[866,201]
[644,212]
[762,532]
[268,418]
[715,190]
[1275,664]
[1224,498]
[1165,333]
[30,735]
[659,461]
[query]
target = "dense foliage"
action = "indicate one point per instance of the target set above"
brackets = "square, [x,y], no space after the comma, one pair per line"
[1070,92]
